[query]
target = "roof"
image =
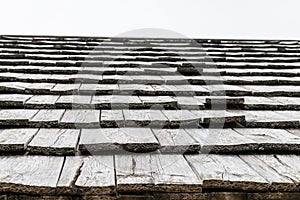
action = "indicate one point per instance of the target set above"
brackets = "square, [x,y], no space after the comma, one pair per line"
[110,118]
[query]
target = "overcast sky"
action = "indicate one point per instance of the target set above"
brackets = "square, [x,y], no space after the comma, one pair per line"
[189,18]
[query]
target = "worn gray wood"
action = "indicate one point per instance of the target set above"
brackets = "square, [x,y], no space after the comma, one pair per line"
[54,142]
[221,140]
[158,101]
[269,119]
[274,90]
[16,117]
[271,139]
[30,174]
[257,103]
[47,118]
[112,118]
[117,139]
[68,176]
[190,103]
[175,141]
[226,172]
[80,118]
[278,181]
[74,101]
[140,118]
[41,101]
[13,100]
[155,172]
[116,102]
[219,116]
[12,140]
[182,118]
[224,100]
[172,173]
[65,88]
[134,173]
[39,88]
[96,175]
[101,89]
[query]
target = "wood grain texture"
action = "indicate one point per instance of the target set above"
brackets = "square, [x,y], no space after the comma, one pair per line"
[16,117]
[54,142]
[271,139]
[165,173]
[117,139]
[226,172]
[96,175]
[175,141]
[278,181]
[47,118]
[80,118]
[30,174]
[221,141]
[12,140]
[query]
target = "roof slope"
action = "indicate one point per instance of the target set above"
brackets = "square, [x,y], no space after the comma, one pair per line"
[149,118]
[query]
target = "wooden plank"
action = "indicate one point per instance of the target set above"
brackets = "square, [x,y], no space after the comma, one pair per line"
[218,116]
[292,161]
[268,119]
[152,102]
[47,118]
[112,118]
[271,139]
[54,142]
[16,117]
[96,175]
[278,182]
[261,103]
[190,103]
[117,139]
[155,172]
[39,88]
[74,101]
[68,176]
[65,88]
[226,172]
[134,173]
[12,140]
[227,100]
[13,100]
[221,140]
[41,101]
[181,118]
[140,118]
[172,173]
[116,102]
[139,89]
[101,89]
[30,174]
[274,90]
[80,118]
[15,87]
[175,141]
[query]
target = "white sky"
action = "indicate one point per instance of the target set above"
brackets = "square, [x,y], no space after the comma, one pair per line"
[191,18]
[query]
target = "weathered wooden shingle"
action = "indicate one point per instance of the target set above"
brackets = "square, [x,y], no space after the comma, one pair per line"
[117,139]
[54,142]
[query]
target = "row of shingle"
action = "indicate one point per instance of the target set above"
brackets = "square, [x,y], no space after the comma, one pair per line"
[131,56]
[138,173]
[149,90]
[146,102]
[115,118]
[148,71]
[175,79]
[123,140]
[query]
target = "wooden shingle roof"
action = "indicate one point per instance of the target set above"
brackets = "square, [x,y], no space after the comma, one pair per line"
[124,118]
